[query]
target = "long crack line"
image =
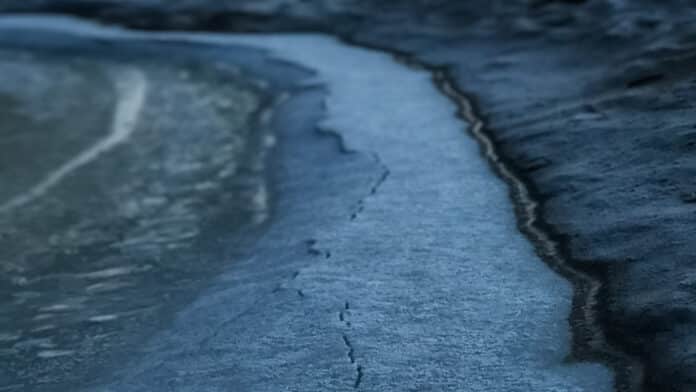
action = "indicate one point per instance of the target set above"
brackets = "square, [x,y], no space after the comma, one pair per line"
[359,372]
[589,339]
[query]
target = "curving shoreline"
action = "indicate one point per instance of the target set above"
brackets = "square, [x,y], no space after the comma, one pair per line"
[382,275]
[589,340]
[587,316]
[387,263]
[550,81]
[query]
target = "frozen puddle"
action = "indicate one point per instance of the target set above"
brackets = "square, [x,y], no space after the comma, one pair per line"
[429,285]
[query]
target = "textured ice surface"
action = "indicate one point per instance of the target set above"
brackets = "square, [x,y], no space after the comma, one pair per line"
[414,275]
[444,292]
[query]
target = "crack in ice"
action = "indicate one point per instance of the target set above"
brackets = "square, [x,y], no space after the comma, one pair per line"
[131,88]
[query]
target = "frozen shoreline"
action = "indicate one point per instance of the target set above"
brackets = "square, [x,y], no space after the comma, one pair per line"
[588,102]
[389,264]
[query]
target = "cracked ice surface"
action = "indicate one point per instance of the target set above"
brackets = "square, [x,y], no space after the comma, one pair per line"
[444,292]
[428,287]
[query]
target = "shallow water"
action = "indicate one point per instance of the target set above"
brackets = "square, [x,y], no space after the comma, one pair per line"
[116,171]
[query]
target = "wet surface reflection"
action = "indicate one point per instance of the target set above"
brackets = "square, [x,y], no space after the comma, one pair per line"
[99,260]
